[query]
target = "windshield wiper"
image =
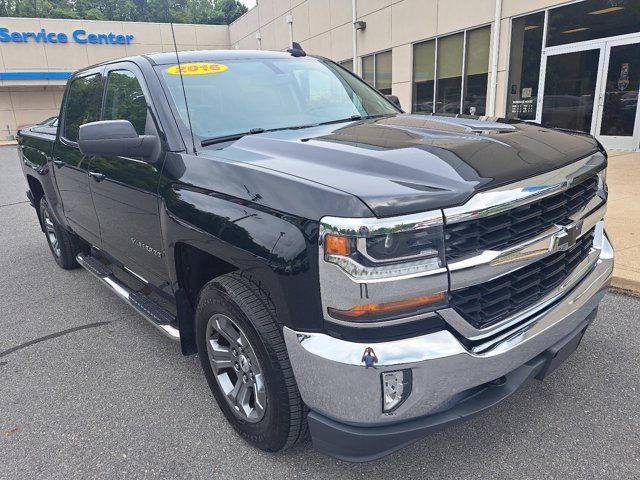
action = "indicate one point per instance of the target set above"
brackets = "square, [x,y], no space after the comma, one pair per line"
[230,138]
[342,120]
[254,131]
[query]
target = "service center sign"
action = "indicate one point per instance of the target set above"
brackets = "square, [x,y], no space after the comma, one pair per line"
[77,36]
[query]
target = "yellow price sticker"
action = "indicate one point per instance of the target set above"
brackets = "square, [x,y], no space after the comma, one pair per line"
[196,68]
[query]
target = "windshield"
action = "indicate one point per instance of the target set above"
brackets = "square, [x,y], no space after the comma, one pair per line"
[238,96]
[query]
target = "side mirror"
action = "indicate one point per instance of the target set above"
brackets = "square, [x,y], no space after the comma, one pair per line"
[394,99]
[115,138]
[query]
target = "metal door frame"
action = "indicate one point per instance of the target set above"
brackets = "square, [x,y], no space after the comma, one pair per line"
[604,46]
[616,142]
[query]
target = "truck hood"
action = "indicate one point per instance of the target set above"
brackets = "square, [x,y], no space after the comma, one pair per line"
[412,163]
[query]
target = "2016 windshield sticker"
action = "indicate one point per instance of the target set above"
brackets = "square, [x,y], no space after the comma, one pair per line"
[196,68]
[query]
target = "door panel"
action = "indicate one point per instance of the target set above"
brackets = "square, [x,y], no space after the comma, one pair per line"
[82,105]
[127,206]
[570,89]
[126,198]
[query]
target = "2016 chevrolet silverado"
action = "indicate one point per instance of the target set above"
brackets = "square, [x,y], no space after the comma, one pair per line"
[339,266]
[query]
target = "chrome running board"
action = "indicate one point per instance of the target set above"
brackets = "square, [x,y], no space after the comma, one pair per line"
[156,315]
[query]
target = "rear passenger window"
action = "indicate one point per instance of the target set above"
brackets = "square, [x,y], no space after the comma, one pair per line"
[125,100]
[83,104]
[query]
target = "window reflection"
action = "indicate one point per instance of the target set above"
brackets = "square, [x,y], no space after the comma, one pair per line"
[570,84]
[524,66]
[476,71]
[449,87]
[440,89]
[424,57]
[592,19]
[376,71]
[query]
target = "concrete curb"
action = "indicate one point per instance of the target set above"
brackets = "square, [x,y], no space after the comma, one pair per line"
[625,286]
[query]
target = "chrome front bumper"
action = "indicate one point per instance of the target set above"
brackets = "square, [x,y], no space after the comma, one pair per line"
[334,382]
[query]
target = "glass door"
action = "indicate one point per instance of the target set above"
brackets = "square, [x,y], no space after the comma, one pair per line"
[570,88]
[617,125]
[593,87]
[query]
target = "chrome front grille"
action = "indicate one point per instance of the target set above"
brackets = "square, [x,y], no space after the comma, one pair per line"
[502,230]
[490,302]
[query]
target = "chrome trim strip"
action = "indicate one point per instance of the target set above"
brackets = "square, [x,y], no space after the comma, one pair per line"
[507,197]
[384,323]
[442,367]
[124,293]
[491,264]
[367,227]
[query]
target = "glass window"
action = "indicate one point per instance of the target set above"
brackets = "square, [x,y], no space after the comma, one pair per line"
[368,70]
[621,91]
[83,104]
[449,72]
[424,60]
[348,64]
[270,93]
[383,72]
[448,75]
[524,66]
[125,100]
[476,71]
[592,19]
[569,90]
[376,71]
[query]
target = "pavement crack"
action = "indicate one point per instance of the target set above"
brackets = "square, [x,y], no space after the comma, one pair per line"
[51,336]
[12,204]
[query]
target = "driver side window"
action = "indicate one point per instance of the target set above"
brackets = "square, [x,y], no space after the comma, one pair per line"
[125,100]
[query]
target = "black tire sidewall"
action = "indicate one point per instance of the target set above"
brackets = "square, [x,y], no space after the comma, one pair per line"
[44,206]
[272,431]
[68,249]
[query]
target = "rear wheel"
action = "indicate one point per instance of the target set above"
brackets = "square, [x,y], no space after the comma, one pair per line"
[245,361]
[61,243]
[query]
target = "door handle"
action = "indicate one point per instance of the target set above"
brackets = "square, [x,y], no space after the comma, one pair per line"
[58,163]
[97,176]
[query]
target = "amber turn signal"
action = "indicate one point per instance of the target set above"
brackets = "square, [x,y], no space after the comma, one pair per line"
[380,309]
[337,245]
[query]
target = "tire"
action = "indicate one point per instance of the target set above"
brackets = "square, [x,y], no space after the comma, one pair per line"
[276,419]
[62,244]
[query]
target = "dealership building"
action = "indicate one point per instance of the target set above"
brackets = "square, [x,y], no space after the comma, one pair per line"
[574,65]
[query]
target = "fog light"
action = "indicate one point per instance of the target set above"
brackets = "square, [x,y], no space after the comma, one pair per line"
[396,387]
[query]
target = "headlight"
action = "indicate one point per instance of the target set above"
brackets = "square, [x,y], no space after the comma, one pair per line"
[391,268]
[377,250]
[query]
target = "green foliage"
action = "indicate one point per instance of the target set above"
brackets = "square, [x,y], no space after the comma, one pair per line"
[215,12]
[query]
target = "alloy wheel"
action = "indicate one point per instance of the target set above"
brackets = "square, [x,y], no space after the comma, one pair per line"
[50,230]
[236,368]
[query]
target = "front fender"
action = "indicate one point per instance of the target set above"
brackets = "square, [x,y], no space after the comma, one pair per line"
[277,250]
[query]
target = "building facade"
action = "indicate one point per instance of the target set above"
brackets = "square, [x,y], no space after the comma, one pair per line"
[573,65]
[38,55]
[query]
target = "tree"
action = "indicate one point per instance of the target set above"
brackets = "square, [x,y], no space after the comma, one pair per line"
[228,10]
[220,12]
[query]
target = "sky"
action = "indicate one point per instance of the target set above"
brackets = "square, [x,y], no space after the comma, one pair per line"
[249,3]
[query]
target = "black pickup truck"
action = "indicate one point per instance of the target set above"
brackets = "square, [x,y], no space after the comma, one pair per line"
[340,267]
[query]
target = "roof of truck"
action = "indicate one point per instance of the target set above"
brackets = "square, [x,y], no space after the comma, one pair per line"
[169,58]
[212,55]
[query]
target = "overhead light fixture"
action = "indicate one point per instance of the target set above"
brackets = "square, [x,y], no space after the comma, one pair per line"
[576,30]
[360,25]
[606,10]
[531,27]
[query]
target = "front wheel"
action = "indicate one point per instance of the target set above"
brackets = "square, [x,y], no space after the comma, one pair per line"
[62,245]
[245,361]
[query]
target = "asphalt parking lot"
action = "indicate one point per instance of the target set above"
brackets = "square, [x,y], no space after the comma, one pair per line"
[115,399]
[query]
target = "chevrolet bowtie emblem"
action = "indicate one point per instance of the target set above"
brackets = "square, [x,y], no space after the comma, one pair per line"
[566,238]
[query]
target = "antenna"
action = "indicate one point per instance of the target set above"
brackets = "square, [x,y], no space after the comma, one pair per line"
[184,92]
